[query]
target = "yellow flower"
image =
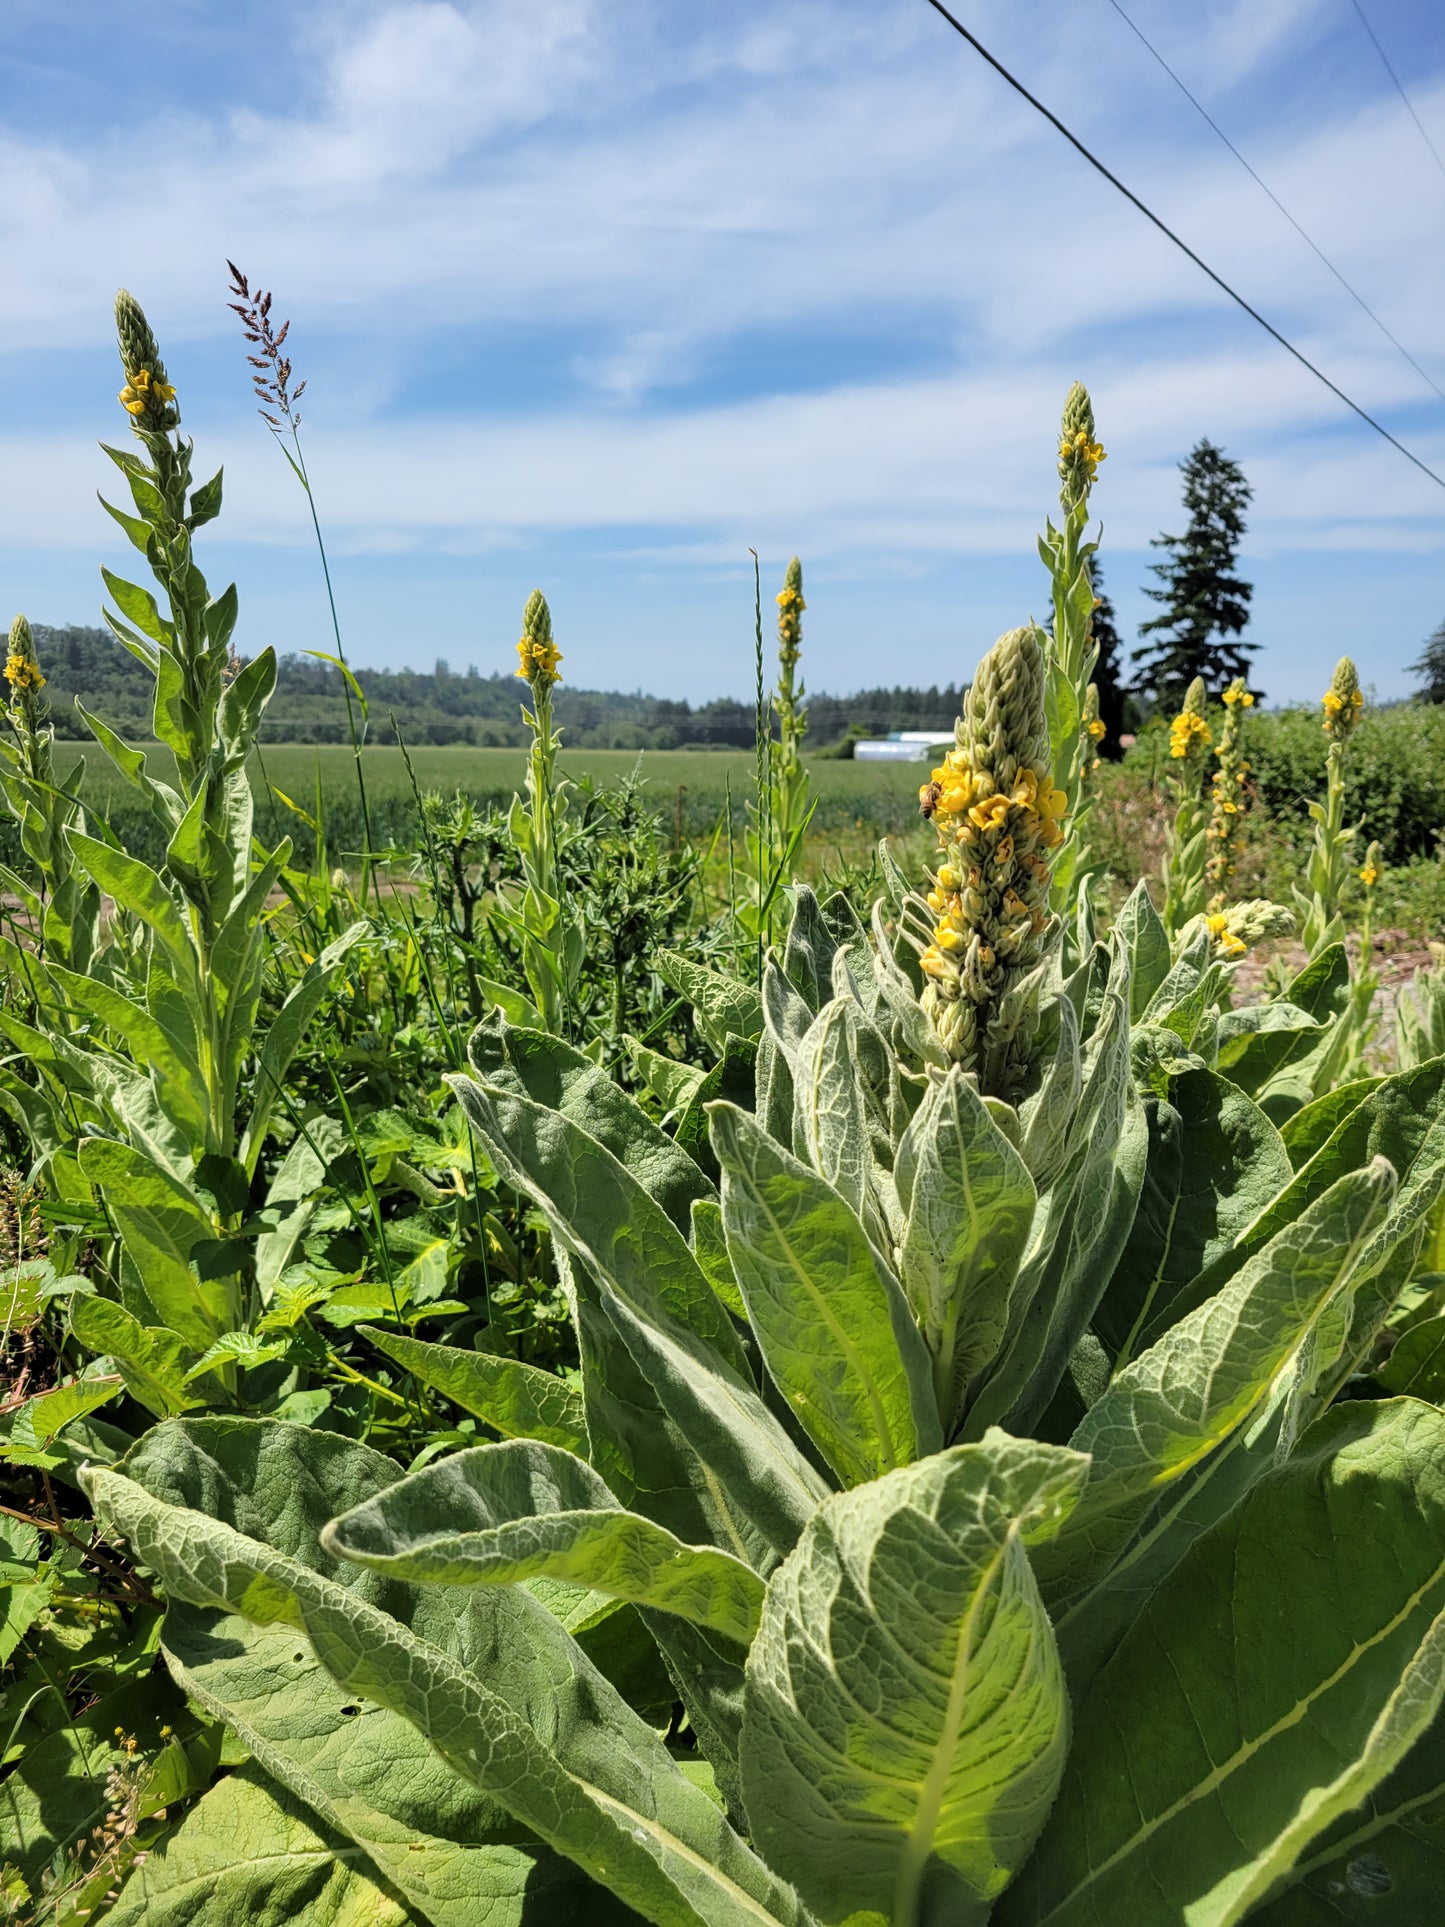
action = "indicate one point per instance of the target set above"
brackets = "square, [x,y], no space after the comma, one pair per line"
[947,938]
[993,814]
[1097,730]
[1084,451]
[538,660]
[141,390]
[22,675]
[1185,731]
[1369,876]
[1240,696]
[1228,944]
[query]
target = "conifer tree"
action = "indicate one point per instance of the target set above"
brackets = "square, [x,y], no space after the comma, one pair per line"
[1205,603]
[1108,679]
[1429,667]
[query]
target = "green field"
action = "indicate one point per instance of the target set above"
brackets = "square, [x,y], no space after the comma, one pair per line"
[689,787]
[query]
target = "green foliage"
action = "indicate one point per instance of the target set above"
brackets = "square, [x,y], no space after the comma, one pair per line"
[722,1464]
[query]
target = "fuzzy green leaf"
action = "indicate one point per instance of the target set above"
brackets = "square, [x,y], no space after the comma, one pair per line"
[1277,1676]
[500,1514]
[969,1203]
[249,1851]
[905,1719]
[831,1320]
[1189,1396]
[536,1728]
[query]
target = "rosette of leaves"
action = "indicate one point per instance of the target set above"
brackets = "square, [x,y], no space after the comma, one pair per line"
[766,1616]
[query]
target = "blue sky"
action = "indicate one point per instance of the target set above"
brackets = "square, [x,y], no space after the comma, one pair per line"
[594,294]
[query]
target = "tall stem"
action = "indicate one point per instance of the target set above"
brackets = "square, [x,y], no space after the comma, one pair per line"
[366,840]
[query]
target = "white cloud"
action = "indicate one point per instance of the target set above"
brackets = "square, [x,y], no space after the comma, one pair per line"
[660,189]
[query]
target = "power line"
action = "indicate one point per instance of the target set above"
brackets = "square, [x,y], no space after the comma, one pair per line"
[1399,88]
[1313,245]
[1183,246]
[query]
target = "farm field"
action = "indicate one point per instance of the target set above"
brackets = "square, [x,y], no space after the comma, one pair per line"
[878,791]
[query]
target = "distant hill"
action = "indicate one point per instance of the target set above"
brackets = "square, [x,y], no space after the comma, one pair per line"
[438,707]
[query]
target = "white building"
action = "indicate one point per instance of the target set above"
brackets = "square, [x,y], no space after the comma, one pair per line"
[905,746]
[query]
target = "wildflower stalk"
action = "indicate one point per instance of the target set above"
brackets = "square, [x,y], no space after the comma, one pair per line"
[998,815]
[1225,834]
[789,776]
[1329,864]
[1186,835]
[781,810]
[551,938]
[1071,651]
[64,910]
[272,382]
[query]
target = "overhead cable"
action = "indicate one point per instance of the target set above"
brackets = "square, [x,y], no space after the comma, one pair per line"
[1308,240]
[1399,85]
[1183,246]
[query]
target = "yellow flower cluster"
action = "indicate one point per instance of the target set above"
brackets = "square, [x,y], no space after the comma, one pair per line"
[1226,943]
[1082,454]
[1343,702]
[23,674]
[1187,732]
[1370,875]
[1226,817]
[141,393]
[539,658]
[985,925]
[995,833]
[1096,729]
[1336,705]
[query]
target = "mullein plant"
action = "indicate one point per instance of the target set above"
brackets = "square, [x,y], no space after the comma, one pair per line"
[1229,797]
[781,811]
[1071,651]
[1186,839]
[62,905]
[789,777]
[999,815]
[551,937]
[161,1100]
[1328,870]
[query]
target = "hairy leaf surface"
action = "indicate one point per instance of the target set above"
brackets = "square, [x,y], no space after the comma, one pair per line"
[905,1719]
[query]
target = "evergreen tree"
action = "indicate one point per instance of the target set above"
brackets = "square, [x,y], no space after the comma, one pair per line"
[1107,670]
[1429,666]
[1205,602]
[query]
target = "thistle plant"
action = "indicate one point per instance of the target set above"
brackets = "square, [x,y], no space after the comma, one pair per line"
[1229,796]
[1327,871]
[550,935]
[998,815]
[1186,835]
[1071,651]
[62,906]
